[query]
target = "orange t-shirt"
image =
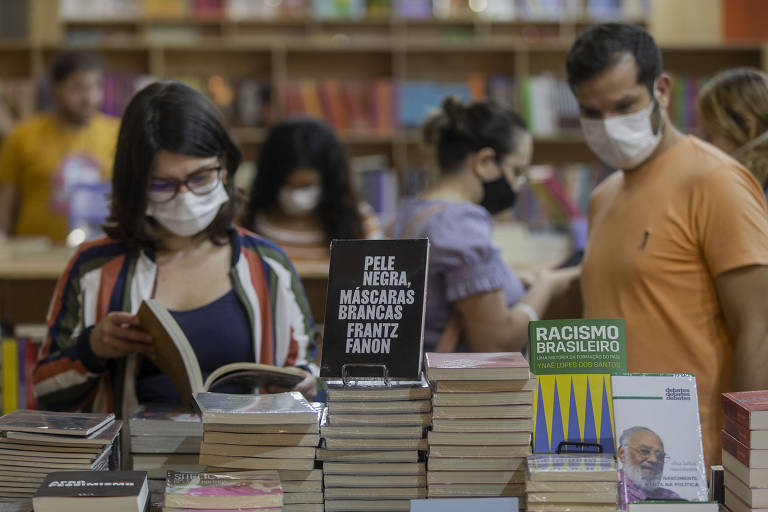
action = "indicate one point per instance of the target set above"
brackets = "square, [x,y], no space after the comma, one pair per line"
[659,236]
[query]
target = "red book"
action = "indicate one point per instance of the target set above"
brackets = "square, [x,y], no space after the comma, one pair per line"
[750,458]
[753,439]
[476,366]
[749,408]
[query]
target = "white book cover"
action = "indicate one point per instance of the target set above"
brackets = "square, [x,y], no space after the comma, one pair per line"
[658,437]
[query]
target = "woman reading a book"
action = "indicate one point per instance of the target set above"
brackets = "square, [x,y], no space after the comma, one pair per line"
[474,301]
[170,236]
[302,197]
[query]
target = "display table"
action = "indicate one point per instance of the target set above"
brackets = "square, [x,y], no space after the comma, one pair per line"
[29,270]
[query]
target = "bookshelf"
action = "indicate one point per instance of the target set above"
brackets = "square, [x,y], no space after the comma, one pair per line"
[382,49]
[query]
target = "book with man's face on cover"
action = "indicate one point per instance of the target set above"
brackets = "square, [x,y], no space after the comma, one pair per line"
[658,438]
[176,358]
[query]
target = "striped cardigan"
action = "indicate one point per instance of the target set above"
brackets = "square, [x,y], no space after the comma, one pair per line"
[105,275]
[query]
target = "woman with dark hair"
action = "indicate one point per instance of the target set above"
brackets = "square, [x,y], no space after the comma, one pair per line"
[170,236]
[474,301]
[302,197]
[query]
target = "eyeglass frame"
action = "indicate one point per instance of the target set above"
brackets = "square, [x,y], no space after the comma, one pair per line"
[177,184]
[641,452]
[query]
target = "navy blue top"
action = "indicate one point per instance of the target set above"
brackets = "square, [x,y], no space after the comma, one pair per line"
[219,332]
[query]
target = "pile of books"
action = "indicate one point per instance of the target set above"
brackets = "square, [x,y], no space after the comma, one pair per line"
[261,432]
[374,446]
[481,424]
[211,491]
[35,443]
[576,483]
[165,437]
[745,450]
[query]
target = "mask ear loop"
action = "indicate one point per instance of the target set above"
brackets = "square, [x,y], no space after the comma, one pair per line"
[656,111]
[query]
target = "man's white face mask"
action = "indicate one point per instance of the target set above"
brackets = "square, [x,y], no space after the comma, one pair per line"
[623,142]
[187,214]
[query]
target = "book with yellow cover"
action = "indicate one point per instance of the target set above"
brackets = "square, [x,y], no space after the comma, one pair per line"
[574,361]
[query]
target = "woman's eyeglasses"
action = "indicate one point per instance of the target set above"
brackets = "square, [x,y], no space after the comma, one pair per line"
[200,183]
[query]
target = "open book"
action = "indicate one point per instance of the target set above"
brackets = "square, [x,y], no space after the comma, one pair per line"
[176,358]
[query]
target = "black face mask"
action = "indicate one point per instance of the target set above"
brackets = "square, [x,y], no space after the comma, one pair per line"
[498,195]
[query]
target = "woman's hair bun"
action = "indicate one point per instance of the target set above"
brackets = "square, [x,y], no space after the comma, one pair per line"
[450,118]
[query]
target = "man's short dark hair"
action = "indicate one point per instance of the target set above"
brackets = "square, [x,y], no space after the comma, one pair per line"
[66,63]
[600,47]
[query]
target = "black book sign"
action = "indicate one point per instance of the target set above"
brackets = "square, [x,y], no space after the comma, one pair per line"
[375,309]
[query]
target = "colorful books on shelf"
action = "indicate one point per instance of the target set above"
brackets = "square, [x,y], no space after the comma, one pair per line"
[745,450]
[353,106]
[556,195]
[34,443]
[658,436]
[481,426]
[243,100]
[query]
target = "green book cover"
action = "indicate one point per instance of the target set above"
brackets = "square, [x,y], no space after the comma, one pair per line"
[573,360]
[582,346]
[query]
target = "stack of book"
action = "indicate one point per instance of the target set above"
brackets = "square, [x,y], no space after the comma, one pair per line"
[374,444]
[745,450]
[481,424]
[211,491]
[577,483]
[258,432]
[35,443]
[165,437]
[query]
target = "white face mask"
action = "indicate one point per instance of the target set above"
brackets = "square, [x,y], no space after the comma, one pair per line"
[187,214]
[298,202]
[623,142]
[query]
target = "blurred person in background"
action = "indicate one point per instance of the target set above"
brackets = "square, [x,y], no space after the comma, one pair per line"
[475,302]
[44,158]
[302,196]
[733,115]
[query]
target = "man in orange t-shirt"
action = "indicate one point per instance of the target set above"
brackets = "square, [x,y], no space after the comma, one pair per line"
[678,242]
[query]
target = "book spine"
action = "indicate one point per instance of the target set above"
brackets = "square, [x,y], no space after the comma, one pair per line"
[10,356]
[733,409]
[29,371]
[735,448]
[740,432]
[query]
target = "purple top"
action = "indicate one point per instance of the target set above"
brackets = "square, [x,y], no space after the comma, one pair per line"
[629,492]
[462,260]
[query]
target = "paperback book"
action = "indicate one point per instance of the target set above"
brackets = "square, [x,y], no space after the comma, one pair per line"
[658,438]
[176,358]
[92,491]
[277,408]
[573,360]
[223,491]
[374,321]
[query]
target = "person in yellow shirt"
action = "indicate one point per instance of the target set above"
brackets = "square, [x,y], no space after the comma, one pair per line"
[46,156]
